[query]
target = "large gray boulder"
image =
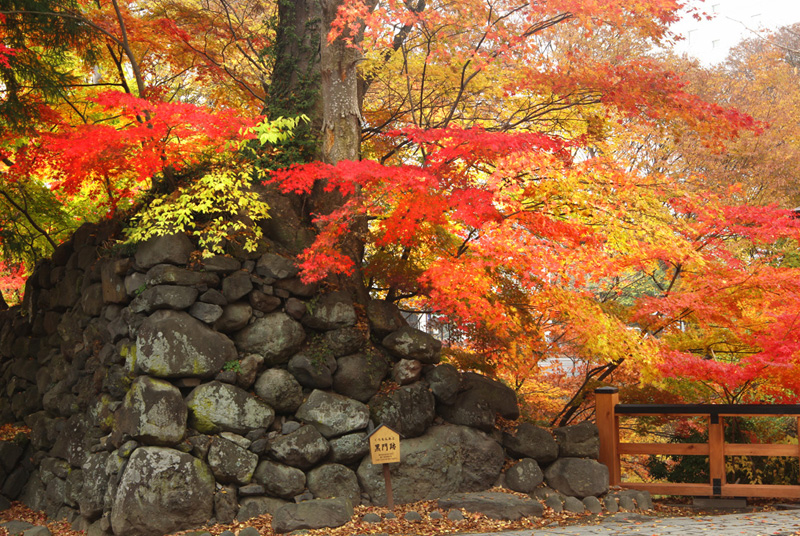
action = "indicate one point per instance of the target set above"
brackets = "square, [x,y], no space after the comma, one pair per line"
[265,303]
[275,266]
[331,311]
[524,476]
[494,505]
[164,297]
[406,371]
[112,273]
[529,441]
[313,367]
[171,249]
[220,263]
[296,287]
[316,514]
[153,413]
[205,312]
[359,376]
[348,449]
[303,448]
[67,290]
[237,285]
[234,317]
[173,344]
[20,528]
[92,300]
[384,317]
[344,341]
[167,274]
[574,505]
[95,483]
[447,459]
[72,440]
[276,336]
[411,343]
[409,410]
[161,491]
[250,507]
[33,495]
[280,480]
[230,463]
[279,389]
[578,441]
[334,480]
[577,477]
[15,483]
[479,403]
[249,366]
[445,382]
[225,504]
[220,407]
[333,415]
[10,453]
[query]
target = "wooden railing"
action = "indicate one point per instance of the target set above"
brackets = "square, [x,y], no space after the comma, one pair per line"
[608,410]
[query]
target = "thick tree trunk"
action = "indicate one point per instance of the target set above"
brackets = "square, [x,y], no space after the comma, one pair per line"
[319,78]
[341,118]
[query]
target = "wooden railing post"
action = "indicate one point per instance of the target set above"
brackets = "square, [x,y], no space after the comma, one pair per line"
[798,438]
[716,453]
[606,399]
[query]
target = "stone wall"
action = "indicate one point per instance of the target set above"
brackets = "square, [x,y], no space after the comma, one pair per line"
[163,390]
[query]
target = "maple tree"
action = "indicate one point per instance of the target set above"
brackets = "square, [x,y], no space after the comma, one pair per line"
[89,123]
[757,167]
[493,231]
[460,158]
[759,77]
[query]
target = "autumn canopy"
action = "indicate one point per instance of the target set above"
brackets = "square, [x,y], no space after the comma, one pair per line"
[534,177]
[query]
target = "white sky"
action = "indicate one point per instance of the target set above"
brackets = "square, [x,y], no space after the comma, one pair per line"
[734,20]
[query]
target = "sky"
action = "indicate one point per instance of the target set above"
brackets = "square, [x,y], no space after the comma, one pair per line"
[709,41]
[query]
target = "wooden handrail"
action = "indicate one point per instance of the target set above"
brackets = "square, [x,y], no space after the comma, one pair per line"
[608,410]
[722,410]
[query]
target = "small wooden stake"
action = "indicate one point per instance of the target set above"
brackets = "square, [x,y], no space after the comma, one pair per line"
[387,477]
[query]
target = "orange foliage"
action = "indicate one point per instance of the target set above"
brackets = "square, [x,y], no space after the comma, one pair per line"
[496,186]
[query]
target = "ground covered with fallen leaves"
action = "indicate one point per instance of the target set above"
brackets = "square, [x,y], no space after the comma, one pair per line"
[395,527]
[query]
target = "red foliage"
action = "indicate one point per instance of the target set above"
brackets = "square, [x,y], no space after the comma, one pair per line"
[12,282]
[142,138]
[5,52]
[492,227]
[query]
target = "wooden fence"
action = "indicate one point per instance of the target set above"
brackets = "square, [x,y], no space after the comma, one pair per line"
[609,410]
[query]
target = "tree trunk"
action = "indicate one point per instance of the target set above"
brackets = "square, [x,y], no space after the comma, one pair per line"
[319,79]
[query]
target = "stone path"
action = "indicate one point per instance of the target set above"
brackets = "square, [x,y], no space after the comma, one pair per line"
[781,523]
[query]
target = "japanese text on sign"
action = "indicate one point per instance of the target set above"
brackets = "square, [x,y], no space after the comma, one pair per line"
[384,446]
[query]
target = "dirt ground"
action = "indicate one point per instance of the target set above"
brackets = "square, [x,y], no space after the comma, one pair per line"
[664,507]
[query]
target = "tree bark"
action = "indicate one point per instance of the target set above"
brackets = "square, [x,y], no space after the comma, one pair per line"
[318,78]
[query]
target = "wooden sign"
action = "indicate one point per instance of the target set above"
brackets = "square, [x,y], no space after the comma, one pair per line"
[384,448]
[384,445]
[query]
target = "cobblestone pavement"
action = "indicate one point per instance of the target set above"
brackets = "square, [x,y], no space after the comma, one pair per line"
[780,523]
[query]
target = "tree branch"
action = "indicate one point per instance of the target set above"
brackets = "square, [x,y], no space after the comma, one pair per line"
[28,217]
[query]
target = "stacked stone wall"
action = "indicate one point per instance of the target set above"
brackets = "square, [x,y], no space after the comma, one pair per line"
[163,390]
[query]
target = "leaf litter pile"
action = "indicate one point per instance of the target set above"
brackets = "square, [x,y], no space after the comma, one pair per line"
[9,432]
[471,523]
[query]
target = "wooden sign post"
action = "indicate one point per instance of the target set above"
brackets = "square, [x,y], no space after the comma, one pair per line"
[384,448]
